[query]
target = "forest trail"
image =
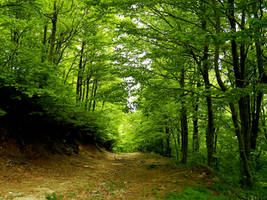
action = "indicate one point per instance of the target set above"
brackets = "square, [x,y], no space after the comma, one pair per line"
[96,175]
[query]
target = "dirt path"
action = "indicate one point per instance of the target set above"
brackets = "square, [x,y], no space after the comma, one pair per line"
[95,175]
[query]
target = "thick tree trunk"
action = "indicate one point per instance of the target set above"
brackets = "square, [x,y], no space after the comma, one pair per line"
[244,102]
[210,133]
[244,112]
[245,162]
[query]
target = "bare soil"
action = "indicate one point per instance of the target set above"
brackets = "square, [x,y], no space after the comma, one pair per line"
[96,175]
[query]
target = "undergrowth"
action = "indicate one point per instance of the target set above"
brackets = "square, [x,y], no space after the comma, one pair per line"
[200,193]
[54,196]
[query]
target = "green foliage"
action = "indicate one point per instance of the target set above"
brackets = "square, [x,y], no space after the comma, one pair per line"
[54,196]
[72,195]
[256,193]
[2,112]
[111,187]
[26,47]
[194,194]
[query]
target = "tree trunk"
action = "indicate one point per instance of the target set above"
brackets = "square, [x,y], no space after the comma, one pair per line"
[44,43]
[53,33]
[195,123]
[91,96]
[175,145]
[205,74]
[244,102]
[178,137]
[245,162]
[184,123]
[244,112]
[246,171]
[71,67]
[243,134]
[80,74]
[95,90]
[162,146]
[258,42]
[84,90]
[195,132]
[255,122]
[262,75]
[264,123]
[87,91]
[168,148]
[184,133]
[215,148]
[103,105]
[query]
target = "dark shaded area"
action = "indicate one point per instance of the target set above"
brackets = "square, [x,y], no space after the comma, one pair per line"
[26,122]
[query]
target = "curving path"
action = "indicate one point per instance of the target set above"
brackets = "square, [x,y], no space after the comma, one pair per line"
[95,175]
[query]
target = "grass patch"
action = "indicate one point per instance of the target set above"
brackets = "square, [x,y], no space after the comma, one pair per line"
[73,194]
[257,193]
[195,194]
[111,187]
[54,196]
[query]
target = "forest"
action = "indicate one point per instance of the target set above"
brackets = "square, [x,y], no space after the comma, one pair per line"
[183,79]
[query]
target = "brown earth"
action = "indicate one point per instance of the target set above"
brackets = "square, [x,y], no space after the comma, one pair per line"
[96,175]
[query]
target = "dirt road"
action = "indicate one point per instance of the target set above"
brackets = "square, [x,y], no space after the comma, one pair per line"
[96,175]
